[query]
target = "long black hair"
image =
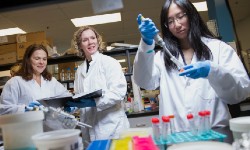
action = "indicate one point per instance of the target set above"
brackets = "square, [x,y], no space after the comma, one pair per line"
[197,30]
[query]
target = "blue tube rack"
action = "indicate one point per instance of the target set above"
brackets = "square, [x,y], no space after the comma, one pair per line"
[99,145]
[181,137]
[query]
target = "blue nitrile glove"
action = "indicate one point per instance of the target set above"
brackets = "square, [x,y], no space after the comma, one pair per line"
[32,105]
[197,70]
[147,28]
[83,102]
[70,109]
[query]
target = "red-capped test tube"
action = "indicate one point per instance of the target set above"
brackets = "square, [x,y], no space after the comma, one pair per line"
[156,128]
[165,127]
[172,126]
[193,127]
[207,121]
[201,127]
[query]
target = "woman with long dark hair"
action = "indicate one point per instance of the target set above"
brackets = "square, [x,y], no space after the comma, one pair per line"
[30,83]
[213,74]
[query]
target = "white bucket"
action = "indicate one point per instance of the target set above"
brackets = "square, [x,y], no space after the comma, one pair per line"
[202,145]
[66,139]
[17,129]
[239,125]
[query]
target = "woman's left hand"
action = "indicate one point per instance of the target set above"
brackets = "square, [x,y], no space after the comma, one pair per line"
[197,70]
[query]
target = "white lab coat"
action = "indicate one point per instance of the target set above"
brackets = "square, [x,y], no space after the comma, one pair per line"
[18,92]
[108,118]
[227,83]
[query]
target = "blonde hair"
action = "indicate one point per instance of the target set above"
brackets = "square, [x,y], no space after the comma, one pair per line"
[77,39]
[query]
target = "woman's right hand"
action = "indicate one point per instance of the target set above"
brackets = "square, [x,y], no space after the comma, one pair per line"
[147,29]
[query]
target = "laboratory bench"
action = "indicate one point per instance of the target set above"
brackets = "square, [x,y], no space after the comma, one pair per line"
[143,113]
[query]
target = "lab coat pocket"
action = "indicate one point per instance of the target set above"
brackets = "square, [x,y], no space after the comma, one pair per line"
[205,97]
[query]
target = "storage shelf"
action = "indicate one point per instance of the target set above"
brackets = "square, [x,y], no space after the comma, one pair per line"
[73,58]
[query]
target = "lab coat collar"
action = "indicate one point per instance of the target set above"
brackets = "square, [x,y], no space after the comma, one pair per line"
[42,81]
[94,57]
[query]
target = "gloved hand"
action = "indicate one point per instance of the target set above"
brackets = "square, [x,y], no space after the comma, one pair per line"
[33,106]
[197,70]
[147,28]
[70,109]
[83,102]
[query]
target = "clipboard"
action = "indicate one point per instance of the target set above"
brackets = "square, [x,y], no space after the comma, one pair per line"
[61,101]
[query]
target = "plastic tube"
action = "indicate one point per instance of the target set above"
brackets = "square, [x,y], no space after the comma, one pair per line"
[165,127]
[193,128]
[207,122]
[172,124]
[156,128]
[201,127]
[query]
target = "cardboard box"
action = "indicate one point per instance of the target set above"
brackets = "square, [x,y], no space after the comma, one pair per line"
[9,39]
[7,48]
[21,47]
[31,37]
[8,58]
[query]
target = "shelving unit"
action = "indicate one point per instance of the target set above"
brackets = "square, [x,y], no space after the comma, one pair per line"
[121,51]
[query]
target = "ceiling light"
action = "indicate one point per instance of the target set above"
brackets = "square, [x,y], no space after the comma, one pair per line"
[200,6]
[98,19]
[121,60]
[11,31]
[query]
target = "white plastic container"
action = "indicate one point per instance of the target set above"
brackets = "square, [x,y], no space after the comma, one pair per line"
[66,139]
[239,125]
[17,129]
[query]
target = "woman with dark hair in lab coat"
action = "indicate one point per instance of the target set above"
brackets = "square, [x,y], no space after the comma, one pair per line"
[213,74]
[30,83]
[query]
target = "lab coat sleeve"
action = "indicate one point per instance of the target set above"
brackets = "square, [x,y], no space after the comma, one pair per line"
[116,85]
[146,73]
[9,98]
[228,77]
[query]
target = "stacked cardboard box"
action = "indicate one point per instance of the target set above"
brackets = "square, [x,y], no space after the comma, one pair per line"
[25,40]
[8,52]
[13,47]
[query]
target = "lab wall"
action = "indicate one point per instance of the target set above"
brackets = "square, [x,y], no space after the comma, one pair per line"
[243,31]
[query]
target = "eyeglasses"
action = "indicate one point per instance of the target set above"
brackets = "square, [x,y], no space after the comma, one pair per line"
[180,18]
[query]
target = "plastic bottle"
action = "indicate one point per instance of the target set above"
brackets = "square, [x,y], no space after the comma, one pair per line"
[193,128]
[201,127]
[128,105]
[74,74]
[207,122]
[165,127]
[172,125]
[69,74]
[62,75]
[142,102]
[156,128]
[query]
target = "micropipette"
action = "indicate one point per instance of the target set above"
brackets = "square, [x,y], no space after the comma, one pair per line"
[67,120]
[160,42]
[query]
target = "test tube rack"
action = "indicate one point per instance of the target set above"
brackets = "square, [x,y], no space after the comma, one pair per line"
[180,137]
